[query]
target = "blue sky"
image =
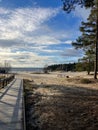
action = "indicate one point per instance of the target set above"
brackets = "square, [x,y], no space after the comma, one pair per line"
[34,33]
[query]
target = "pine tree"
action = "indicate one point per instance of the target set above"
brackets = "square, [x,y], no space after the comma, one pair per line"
[88,61]
[95,12]
[89,39]
[69,5]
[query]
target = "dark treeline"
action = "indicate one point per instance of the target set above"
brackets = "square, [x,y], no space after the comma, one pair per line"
[5,67]
[80,66]
[64,67]
[4,70]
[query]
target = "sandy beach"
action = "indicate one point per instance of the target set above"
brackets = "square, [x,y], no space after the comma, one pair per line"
[61,101]
[60,78]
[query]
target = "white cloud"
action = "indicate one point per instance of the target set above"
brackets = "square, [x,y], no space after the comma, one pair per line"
[51,51]
[81,13]
[72,52]
[45,39]
[23,59]
[20,24]
[3,11]
[24,33]
[68,42]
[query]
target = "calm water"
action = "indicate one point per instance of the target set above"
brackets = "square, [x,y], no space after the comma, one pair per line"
[16,70]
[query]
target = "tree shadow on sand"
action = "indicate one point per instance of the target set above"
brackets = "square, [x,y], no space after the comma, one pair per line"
[55,107]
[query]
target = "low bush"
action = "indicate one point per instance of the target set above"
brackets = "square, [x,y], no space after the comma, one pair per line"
[86,81]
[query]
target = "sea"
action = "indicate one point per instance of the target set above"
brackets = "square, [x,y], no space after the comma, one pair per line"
[30,70]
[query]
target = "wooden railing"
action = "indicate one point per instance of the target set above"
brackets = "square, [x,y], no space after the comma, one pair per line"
[5,81]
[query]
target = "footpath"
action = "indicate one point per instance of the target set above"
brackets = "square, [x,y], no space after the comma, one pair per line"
[11,106]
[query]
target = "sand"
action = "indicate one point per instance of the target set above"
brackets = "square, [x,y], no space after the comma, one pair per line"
[60,78]
[60,101]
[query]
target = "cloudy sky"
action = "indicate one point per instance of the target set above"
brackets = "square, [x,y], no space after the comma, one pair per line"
[34,33]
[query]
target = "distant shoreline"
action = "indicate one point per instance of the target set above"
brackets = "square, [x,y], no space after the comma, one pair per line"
[24,69]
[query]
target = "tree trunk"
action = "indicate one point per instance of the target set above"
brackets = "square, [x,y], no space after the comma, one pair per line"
[96,59]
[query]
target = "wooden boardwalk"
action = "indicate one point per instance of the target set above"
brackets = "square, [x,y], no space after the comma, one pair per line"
[11,106]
